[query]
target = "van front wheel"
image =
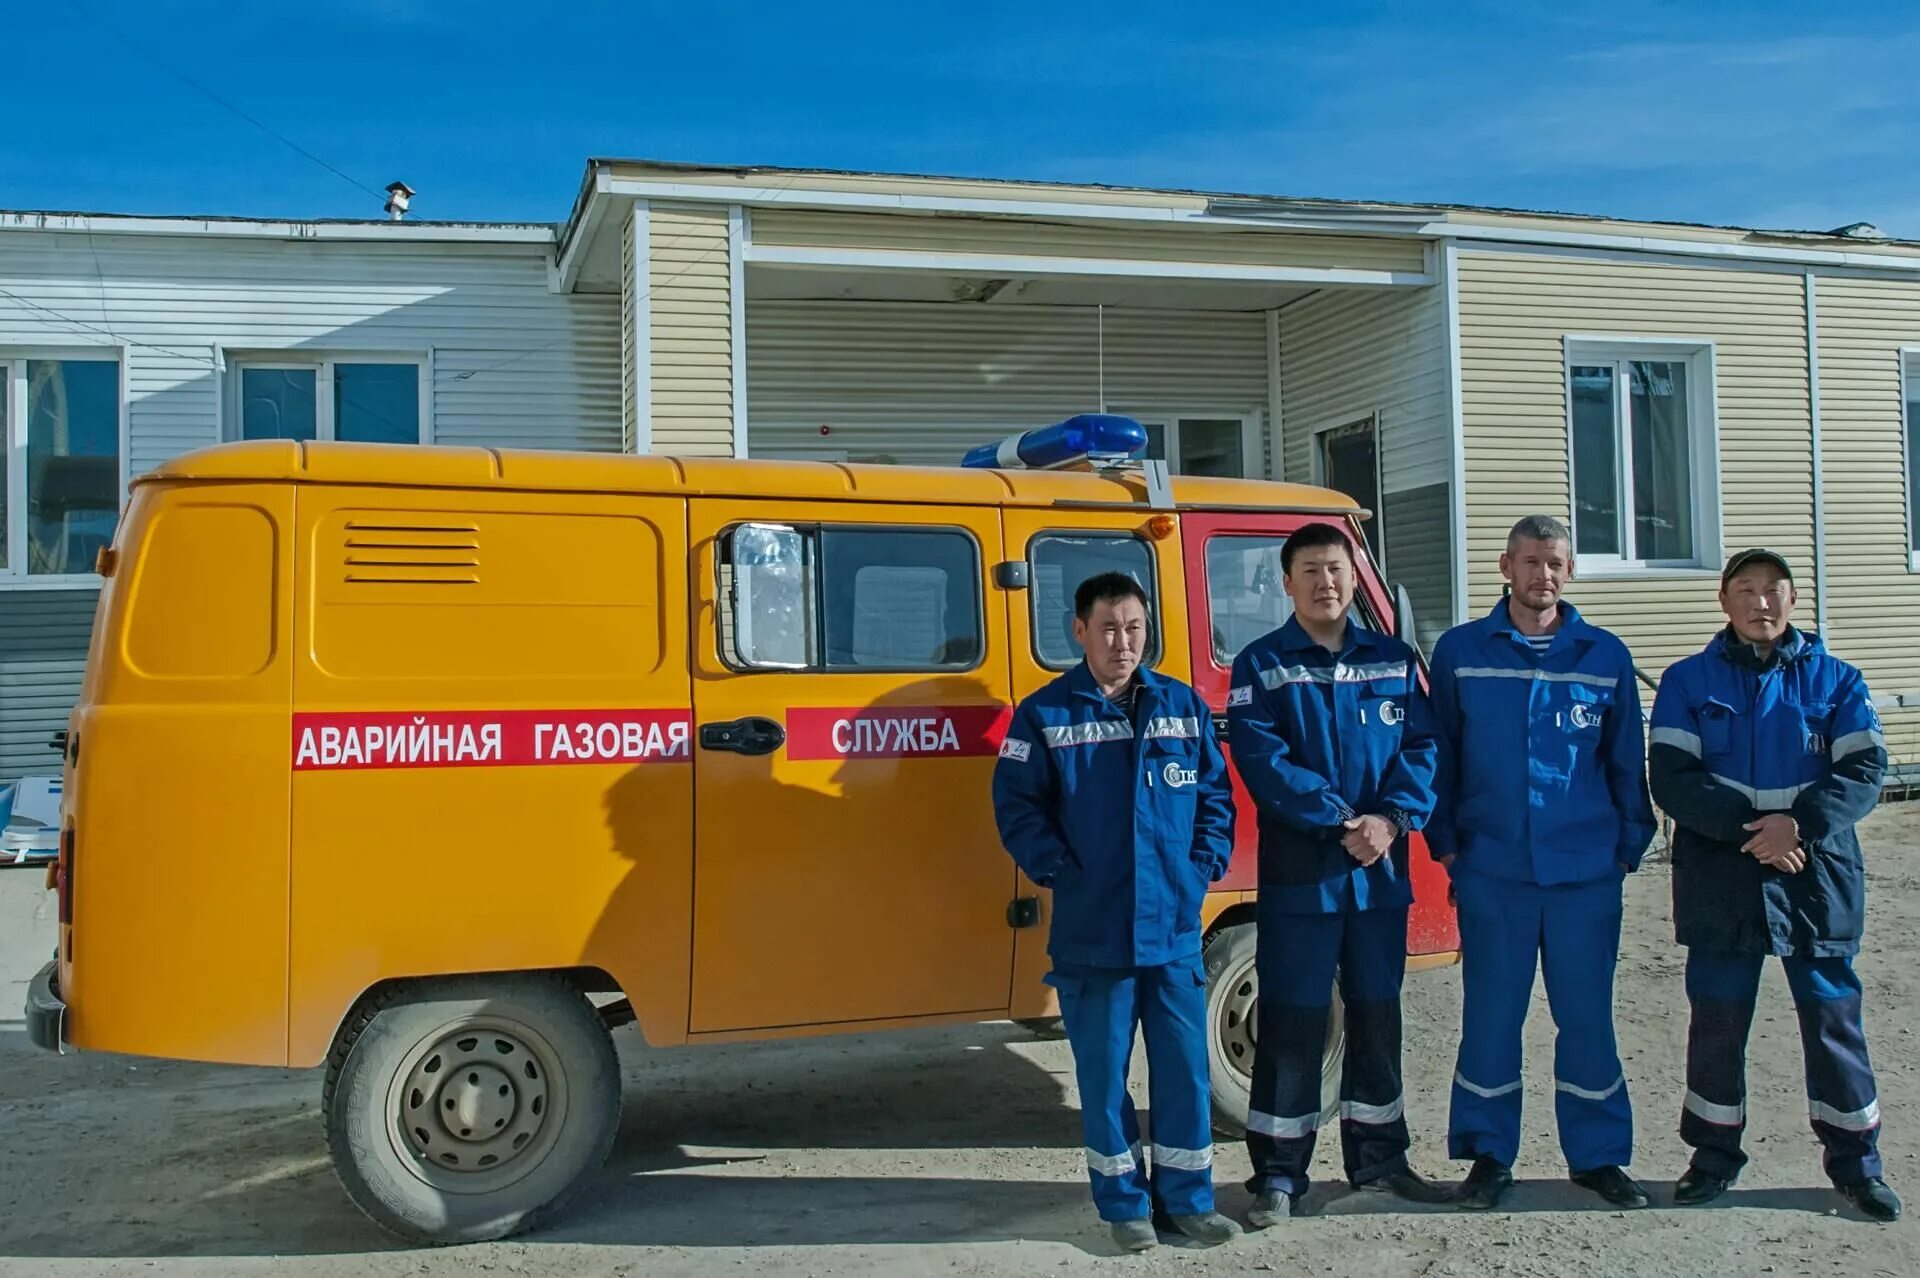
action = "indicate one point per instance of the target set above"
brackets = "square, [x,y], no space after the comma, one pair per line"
[1233,1004]
[463,1109]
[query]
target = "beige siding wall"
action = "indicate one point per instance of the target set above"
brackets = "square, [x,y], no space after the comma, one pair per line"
[689,274]
[927,233]
[923,382]
[1875,597]
[1515,314]
[630,352]
[1347,353]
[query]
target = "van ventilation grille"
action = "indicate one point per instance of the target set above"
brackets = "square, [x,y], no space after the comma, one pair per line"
[392,552]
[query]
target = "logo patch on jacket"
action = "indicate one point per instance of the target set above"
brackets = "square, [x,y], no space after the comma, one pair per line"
[1016,749]
[1585,716]
[1241,696]
[1391,714]
[1178,777]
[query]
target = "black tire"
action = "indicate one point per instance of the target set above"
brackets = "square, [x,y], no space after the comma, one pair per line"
[464,1109]
[1233,992]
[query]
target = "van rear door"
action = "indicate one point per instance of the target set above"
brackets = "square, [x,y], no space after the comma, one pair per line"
[850,690]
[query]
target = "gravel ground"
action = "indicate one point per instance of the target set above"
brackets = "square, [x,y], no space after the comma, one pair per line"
[953,1151]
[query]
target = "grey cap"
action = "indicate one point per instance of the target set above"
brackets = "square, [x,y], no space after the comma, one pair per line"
[1756,555]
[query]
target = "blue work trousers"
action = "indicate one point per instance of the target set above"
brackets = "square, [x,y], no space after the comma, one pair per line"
[1102,1006]
[1298,957]
[1570,933]
[1842,1100]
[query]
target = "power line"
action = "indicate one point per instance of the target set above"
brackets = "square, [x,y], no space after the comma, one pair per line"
[168,67]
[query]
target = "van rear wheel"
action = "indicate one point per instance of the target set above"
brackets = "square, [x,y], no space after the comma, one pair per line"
[1233,1004]
[464,1109]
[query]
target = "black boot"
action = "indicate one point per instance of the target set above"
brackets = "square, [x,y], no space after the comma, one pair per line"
[1614,1185]
[1874,1199]
[1485,1185]
[1697,1187]
[1270,1208]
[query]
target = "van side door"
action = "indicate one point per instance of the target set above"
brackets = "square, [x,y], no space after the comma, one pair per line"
[851,688]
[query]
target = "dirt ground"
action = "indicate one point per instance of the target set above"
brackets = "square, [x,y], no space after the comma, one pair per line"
[953,1151]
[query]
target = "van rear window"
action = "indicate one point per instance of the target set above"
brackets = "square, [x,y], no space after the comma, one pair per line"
[1061,561]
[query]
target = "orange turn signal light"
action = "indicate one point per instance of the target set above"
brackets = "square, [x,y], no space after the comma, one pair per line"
[1160,527]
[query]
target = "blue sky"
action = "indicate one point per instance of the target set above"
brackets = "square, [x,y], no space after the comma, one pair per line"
[1760,114]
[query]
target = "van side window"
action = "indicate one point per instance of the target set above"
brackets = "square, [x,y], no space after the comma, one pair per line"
[844,598]
[1061,561]
[1247,594]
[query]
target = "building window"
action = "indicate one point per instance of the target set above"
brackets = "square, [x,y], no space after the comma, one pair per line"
[60,475]
[1641,440]
[354,399]
[1221,446]
[1910,396]
[859,599]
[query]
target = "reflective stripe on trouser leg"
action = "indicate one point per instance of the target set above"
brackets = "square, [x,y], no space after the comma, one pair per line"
[1373,1124]
[1499,950]
[1721,989]
[1579,949]
[1297,956]
[1173,1020]
[1097,1006]
[1842,1099]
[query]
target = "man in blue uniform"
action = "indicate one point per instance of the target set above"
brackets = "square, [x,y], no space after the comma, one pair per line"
[1111,790]
[1766,751]
[1331,732]
[1541,811]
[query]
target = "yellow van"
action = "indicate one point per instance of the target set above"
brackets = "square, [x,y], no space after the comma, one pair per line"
[432,765]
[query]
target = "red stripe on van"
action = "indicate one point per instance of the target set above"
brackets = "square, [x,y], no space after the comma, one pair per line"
[895,732]
[334,742]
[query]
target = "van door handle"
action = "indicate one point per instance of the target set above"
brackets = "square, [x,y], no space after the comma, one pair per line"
[743,736]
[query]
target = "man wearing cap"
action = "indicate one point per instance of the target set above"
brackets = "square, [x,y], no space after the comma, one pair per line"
[1542,812]
[1766,751]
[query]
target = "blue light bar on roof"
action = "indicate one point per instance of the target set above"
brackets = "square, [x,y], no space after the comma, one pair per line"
[1092,436]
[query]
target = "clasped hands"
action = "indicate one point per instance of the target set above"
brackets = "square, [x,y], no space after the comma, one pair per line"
[1776,843]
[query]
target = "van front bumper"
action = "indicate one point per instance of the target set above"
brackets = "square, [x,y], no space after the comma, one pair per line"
[46,1014]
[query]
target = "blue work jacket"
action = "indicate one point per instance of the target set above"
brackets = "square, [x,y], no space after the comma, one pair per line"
[1735,738]
[1542,773]
[1320,738]
[1127,818]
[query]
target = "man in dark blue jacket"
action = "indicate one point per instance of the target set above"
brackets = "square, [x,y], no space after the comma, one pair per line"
[1112,791]
[1331,732]
[1766,750]
[1542,810]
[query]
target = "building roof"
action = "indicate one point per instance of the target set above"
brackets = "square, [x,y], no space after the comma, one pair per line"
[896,192]
[411,230]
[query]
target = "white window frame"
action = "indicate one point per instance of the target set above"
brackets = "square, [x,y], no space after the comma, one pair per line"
[1703,428]
[13,384]
[1910,485]
[322,365]
[1252,464]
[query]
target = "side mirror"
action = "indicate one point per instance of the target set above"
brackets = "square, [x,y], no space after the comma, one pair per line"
[1404,626]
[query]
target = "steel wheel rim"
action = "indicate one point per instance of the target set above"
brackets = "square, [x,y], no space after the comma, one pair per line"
[1236,1019]
[477,1105]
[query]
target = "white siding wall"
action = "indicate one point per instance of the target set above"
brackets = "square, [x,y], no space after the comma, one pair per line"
[513,364]
[917,382]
